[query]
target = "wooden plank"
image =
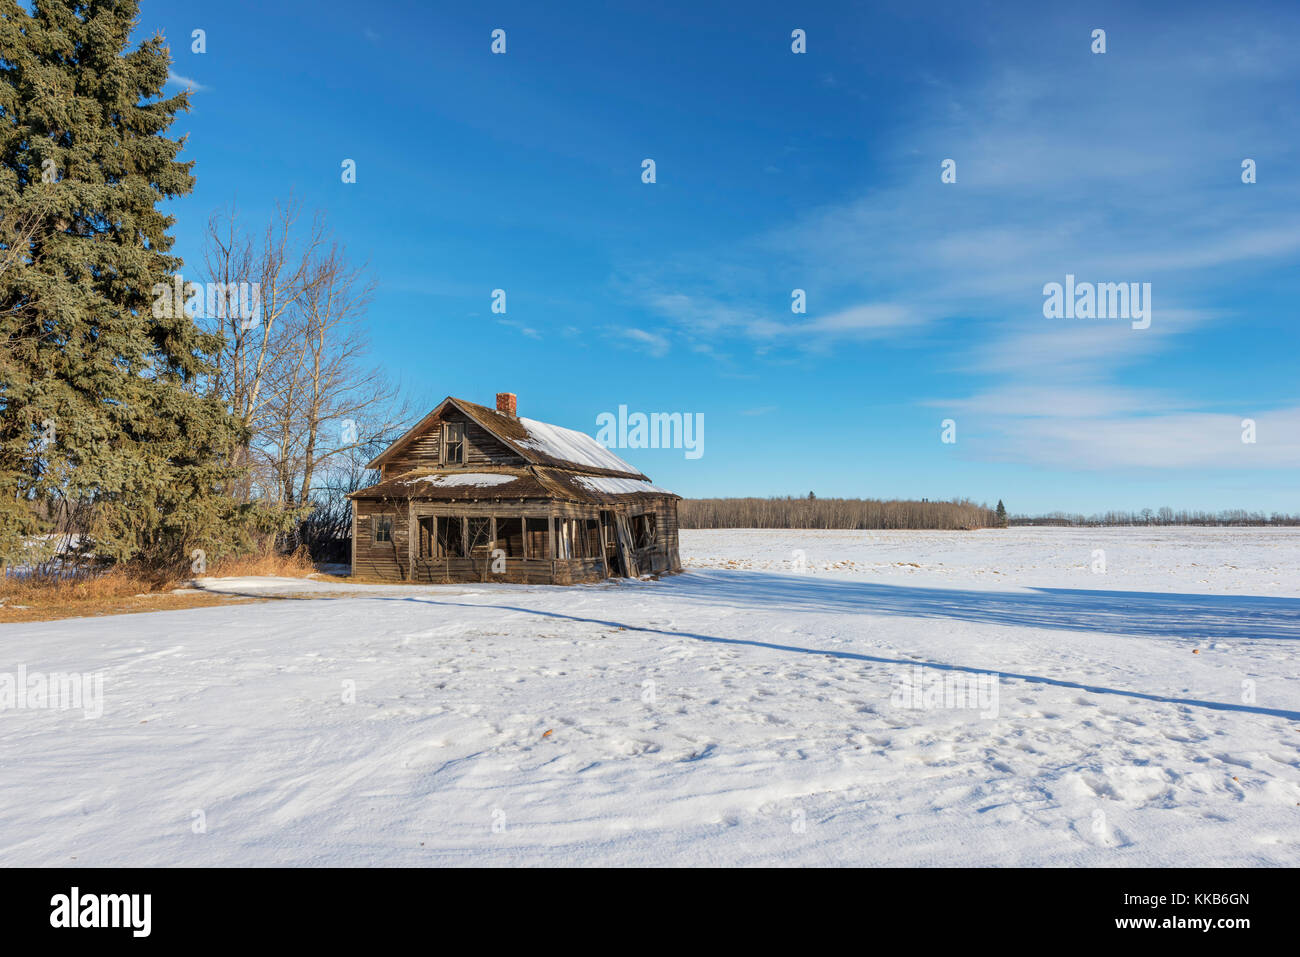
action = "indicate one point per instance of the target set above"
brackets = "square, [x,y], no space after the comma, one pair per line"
[412,535]
[625,544]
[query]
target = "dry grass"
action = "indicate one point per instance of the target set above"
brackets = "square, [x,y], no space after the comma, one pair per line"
[53,610]
[122,581]
[297,565]
[126,589]
[118,591]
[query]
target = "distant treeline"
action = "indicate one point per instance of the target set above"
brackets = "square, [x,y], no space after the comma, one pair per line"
[1163,516]
[853,513]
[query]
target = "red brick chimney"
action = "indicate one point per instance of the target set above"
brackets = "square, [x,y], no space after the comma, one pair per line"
[506,404]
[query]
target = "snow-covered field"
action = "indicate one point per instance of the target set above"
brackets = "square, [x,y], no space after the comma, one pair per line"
[745,712]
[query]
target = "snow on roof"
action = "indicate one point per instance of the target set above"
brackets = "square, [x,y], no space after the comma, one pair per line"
[570,445]
[618,486]
[477,479]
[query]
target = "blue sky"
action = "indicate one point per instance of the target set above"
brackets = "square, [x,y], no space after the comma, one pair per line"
[818,171]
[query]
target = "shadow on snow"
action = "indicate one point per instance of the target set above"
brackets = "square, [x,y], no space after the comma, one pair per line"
[1146,614]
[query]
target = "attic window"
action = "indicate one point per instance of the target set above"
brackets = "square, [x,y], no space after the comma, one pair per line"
[454,444]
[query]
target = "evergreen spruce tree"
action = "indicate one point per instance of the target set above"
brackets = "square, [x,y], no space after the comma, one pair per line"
[1002,514]
[101,413]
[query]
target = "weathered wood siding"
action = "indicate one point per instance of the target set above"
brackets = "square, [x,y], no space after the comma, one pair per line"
[425,449]
[387,560]
[576,570]
[401,559]
[528,571]
[663,556]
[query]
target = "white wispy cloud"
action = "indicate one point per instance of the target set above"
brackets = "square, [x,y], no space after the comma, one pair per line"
[175,79]
[526,330]
[1176,440]
[1138,180]
[651,342]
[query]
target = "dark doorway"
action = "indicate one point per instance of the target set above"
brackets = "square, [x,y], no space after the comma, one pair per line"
[609,539]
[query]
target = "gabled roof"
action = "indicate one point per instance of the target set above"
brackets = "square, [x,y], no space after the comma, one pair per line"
[537,443]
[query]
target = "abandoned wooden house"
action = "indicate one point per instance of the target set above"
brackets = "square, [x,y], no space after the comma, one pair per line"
[478,494]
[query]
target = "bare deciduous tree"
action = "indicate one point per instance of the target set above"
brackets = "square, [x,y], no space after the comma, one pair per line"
[256,347]
[297,376]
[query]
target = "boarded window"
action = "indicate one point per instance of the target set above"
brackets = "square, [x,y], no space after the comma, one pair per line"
[592,532]
[510,536]
[454,446]
[451,538]
[426,537]
[539,533]
[383,529]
